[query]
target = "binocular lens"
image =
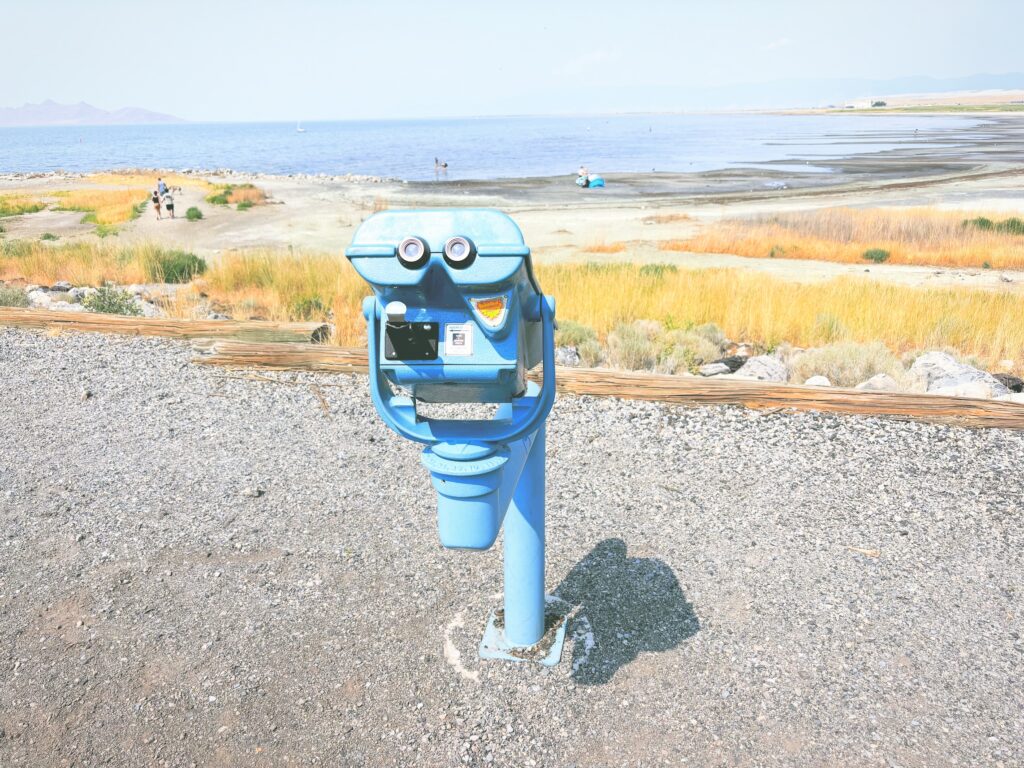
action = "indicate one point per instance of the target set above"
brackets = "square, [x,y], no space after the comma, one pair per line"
[413,252]
[459,252]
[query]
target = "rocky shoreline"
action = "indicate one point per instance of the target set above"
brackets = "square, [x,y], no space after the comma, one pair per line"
[201,173]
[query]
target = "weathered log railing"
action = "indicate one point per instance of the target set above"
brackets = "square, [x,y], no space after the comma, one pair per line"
[259,344]
[681,390]
[252,330]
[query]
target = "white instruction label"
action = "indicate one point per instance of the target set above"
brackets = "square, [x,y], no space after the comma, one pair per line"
[458,339]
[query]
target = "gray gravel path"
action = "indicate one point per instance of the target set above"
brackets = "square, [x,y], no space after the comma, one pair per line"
[198,569]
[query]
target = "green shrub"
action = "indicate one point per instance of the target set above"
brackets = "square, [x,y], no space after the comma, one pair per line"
[980,222]
[682,351]
[245,205]
[48,236]
[776,251]
[846,364]
[193,214]
[583,339]
[89,218]
[173,266]
[12,297]
[106,230]
[112,301]
[711,333]
[309,308]
[16,249]
[633,346]
[2,229]
[658,271]
[877,255]
[1012,226]
[986,265]
[571,334]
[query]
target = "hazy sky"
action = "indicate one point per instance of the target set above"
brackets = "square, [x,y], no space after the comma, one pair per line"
[313,59]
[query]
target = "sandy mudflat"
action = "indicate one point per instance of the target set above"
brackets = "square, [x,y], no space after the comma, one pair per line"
[981,168]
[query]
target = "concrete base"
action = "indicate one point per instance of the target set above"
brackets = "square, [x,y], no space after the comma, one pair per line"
[547,651]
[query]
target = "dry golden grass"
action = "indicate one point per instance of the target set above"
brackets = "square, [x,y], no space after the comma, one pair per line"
[766,310]
[247,194]
[283,286]
[667,218]
[146,179]
[80,263]
[107,206]
[18,204]
[912,236]
[747,306]
[603,247]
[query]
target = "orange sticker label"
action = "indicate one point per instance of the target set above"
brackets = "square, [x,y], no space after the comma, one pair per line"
[491,310]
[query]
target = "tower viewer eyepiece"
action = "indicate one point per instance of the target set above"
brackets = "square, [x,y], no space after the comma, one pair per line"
[413,252]
[459,252]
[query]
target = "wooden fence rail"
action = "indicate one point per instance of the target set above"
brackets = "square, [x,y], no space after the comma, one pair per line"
[660,388]
[260,344]
[252,330]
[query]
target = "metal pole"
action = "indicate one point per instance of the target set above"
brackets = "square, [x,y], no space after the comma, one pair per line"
[524,552]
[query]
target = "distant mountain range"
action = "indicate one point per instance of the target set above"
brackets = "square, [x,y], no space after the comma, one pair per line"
[51,113]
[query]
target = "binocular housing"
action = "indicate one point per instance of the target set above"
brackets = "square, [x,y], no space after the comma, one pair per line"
[458,307]
[457,317]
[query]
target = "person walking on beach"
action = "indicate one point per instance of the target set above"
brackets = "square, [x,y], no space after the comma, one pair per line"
[169,203]
[161,188]
[156,203]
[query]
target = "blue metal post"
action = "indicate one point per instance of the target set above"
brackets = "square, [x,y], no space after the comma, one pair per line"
[524,552]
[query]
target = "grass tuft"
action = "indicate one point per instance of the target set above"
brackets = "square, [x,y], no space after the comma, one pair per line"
[12,297]
[238,194]
[193,214]
[602,247]
[16,205]
[172,266]
[106,207]
[846,364]
[111,301]
[582,338]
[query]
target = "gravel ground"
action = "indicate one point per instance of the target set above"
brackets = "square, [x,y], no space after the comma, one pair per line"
[203,569]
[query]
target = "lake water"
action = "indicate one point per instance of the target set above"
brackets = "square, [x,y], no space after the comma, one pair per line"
[477,148]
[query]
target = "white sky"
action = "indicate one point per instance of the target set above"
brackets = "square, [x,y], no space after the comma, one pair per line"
[314,59]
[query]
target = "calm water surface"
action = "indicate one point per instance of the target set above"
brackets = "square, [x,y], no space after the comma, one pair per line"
[480,148]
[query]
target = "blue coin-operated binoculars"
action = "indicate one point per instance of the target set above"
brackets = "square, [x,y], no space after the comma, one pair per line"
[457,316]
